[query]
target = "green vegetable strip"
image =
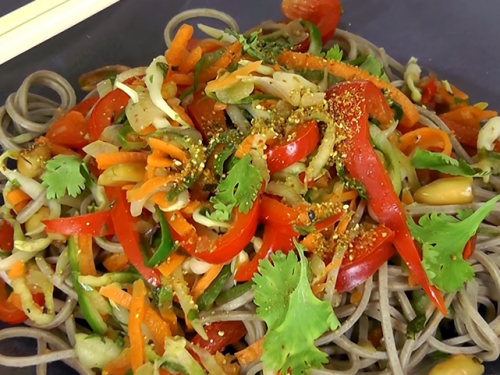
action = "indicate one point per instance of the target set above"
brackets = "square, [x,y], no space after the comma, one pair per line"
[207,299]
[315,41]
[84,299]
[233,293]
[166,247]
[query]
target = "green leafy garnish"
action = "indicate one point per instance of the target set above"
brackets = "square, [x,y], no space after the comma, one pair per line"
[316,76]
[423,159]
[334,53]
[163,67]
[350,182]
[415,326]
[238,189]
[294,316]
[371,65]
[205,62]
[459,101]
[65,174]
[443,239]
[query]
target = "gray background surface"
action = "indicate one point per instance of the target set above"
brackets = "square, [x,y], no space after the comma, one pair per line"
[458,39]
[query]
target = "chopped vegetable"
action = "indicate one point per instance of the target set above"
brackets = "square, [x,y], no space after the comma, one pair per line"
[94,351]
[65,175]
[335,53]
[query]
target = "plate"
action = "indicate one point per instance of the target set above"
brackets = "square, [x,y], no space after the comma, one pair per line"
[454,39]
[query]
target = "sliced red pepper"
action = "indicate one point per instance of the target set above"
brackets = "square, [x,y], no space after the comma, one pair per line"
[86,105]
[98,224]
[470,246]
[10,313]
[206,119]
[428,93]
[367,254]
[105,111]
[350,104]
[220,335]
[6,236]
[323,13]
[70,131]
[304,139]
[125,228]
[225,247]
[273,240]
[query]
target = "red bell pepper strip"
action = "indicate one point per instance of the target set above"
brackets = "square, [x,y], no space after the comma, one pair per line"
[70,131]
[105,111]
[428,93]
[273,240]
[6,236]
[350,104]
[126,232]
[98,224]
[86,105]
[206,119]
[304,140]
[10,313]
[367,254]
[220,335]
[325,14]
[225,247]
[470,246]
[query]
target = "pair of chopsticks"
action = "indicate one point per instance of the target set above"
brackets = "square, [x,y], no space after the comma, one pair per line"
[40,20]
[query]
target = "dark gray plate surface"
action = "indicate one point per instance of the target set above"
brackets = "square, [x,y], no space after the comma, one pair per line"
[458,39]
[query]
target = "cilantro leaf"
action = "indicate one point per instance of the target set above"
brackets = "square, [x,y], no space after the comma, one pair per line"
[443,240]
[423,159]
[239,188]
[65,174]
[335,53]
[351,183]
[371,65]
[289,343]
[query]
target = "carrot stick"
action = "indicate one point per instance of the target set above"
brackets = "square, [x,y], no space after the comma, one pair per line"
[20,206]
[189,209]
[470,116]
[182,79]
[232,78]
[250,353]
[232,53]
[169,149]
[191,60]
[105,161]
[209,45]
[426,139]
[311,241]
[296,60]
[205,281]
[179,44]
[245,147]
[148,187]
[159,162]
[115,262]
[17,196]
[16,270]
[168,267]
[118,366]
[137,311]
[406,197]
[86,255]
[181,112]
[160,200]
[180,224]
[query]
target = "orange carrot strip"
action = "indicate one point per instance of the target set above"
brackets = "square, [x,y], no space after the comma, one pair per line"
[160,200]
[15,299]
[86,255]
[181,112]
[118,366]
[250,353]
[232,53]
[148,130]
[158,162]
[426,139]
[20,206]
[311,241]
[205,281]
[115,262]
[470,116]
[218,106]
[169,149]
[180,224]
[296,60]
[406,197]
[209,45]
[179,44]
[191,60]
[105,161]
[137,312]
[16,270]
[17,196]
[168,267]
[245,147]
[232,78]
[182,79]
[148,187]
[189,209]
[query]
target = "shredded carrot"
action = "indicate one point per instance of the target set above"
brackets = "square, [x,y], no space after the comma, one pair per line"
[469,115]
[16,270]
[159,162]
[105,161]
[20,206]
[15,299]
[86,255]
[344,222]
[16,196]
[168,267]
[245,147]
[148,187]
[55,149]
[181,112]
[115,262]
[426,139]
[182,79]
[406,197]
[232,78]
[161,200]
[148,130]
[311,241]
[297,60]
[189,209]
[169,149]
[356,297]
[168,315]
[250,353]
[205,281]
[344,196]
[191,60]
[175,52]
[179,224]
[209,45]
[118,366]
[232,53]
[137,312]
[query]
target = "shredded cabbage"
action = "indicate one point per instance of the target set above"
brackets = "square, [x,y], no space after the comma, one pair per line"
[95,351]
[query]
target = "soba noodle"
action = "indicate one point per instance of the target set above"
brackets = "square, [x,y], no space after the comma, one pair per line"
[383,297]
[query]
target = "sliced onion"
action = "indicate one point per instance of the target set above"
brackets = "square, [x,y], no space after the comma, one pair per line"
[110,135]
[31,208]
[235,92]
[143,113]
[199,267]
[262,69]
[97,148]
[291,197]
[217,33]
[135,72]
[238,119]
[294,32]
[104,87]
[209,223]
[324,150]
[129,91]
[181,202]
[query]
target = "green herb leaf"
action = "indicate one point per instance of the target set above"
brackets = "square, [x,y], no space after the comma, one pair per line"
[294,316]
[459,101]
[335,53]
[423,159]
[65,175]
[443,240]
[350,182]
[163,67]
[371,65]
[415,326]
[238,189]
